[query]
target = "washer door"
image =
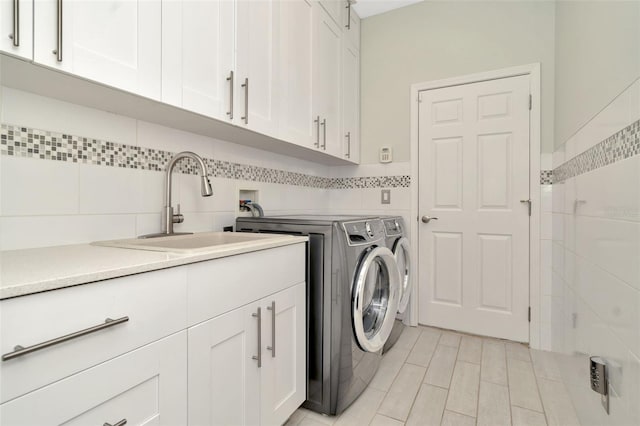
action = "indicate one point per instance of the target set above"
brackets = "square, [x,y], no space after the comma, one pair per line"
[375,298]
[402,253]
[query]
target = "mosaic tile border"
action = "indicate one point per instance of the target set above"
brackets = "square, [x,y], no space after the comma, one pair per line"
[546,177]
[619,146]
[40,144]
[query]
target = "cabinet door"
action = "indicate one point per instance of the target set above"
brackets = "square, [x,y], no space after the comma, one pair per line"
[257,65]
[327,82]
[351,24]
[198,55]
[145,387]
[296,72]
[334,8]
[351,102]
[114,42]
[224,379]
[284,345]
[16,28]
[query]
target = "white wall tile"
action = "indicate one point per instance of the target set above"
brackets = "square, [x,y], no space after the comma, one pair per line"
[108,190]
[38,187]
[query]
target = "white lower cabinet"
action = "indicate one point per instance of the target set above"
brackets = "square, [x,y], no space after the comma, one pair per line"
[247,367]
[147,386]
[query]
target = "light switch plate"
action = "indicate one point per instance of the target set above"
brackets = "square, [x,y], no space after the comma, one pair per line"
[385,196]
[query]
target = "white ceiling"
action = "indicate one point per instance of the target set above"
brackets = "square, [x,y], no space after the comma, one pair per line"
[366,8]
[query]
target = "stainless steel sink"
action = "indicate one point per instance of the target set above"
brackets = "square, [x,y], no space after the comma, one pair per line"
[191,243]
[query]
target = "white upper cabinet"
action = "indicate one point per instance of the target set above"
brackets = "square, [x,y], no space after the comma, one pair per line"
[296,71]
[335,9]
[257,79]
[351,24]
[198,56]
[16,28]
[114,42]
[327,83]
[351,102]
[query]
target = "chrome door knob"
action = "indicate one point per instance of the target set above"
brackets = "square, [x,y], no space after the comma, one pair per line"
[427,219]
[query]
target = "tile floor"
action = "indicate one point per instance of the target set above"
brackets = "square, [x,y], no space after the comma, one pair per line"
[438,377]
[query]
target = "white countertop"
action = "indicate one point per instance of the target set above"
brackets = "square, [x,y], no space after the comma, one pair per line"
[35,270]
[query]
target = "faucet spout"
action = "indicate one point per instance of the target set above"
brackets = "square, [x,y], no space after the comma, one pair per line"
[205,189]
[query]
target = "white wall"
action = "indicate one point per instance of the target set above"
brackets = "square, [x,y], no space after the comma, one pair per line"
[439,39]
[597,57]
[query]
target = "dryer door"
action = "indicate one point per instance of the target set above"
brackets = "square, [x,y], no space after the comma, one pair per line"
[375,298]
[402,253]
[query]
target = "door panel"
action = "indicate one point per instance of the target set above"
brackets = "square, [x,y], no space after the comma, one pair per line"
[474,170]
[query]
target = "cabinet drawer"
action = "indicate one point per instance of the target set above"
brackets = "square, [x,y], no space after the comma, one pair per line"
[144,387]
[221,285]
[154,302]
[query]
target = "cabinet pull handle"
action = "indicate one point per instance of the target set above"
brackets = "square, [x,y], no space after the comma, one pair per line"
[348,26]
[230,80]
[246,101]
[272,348]
[348,136]
[15,34]
[20,351]
[120,423]
[58,51]
[259,356]
[317,121]
[324,134]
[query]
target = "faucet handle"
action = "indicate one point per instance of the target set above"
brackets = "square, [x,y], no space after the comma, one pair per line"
[177,217]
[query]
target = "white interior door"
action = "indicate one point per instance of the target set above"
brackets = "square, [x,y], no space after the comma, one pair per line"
[474,172]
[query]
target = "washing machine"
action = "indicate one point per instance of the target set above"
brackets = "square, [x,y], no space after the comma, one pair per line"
[353,291]
[397,240]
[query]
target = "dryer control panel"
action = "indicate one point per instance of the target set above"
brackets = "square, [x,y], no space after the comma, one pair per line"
[364,232]
[393,227]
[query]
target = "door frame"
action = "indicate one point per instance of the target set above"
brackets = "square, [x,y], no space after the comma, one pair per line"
[533,71]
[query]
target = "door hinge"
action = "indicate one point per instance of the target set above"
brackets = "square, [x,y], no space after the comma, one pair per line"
[529,314]
[530,102]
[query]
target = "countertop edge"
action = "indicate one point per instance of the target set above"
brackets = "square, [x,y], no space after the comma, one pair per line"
[177,259]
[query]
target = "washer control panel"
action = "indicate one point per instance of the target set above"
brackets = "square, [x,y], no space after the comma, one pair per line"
[364,231]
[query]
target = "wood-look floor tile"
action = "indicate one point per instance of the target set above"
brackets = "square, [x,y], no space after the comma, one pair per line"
[408,338]
[397,404]
[493,405]
[295,418]
[544,365]
[494,365]
[557,404]
[524,417]
[450,338]
[463,393]
[380,420]
[424,347]
[391,363]
[363,409]
[523,388]
[428,406]
[441,366]
[517,351]
[456,419]
[470,349]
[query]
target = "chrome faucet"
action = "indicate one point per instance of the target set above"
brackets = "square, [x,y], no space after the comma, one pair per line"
[169,217]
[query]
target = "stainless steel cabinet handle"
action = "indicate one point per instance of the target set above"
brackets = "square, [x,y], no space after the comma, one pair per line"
[20,351]
[272,348]
[348,136]
[348,26]
[528,204]
[230,80]
[120,423]
[15,35]
[324,133]
[259,356]
[427,219]
[58,51]
[317,121]
[246,101]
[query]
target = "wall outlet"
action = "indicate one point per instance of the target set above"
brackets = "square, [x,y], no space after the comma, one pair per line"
[385,196]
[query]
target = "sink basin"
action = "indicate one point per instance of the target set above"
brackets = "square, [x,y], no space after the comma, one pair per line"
[189,243]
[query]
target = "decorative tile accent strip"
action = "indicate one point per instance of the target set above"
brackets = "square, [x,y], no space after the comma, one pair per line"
[31,143]
[621,145]
[546,177]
